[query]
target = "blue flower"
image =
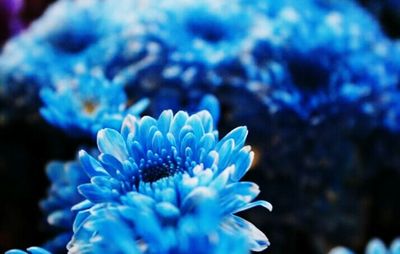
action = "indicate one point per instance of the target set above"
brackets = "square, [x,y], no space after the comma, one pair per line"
[61,42]
[87,103]
[187,46]
[375,246]
[57,41]
[168,160]
[312,65]
[194,47]
[205,32]
[65,177]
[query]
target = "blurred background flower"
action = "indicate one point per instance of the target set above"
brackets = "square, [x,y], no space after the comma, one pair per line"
[86,104]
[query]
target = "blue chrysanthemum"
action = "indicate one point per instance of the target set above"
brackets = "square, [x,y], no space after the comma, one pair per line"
[168,160]
[86,104]
[204,32]
[375,246]
[312,65]
[67,31]
[59,43]
[194,47]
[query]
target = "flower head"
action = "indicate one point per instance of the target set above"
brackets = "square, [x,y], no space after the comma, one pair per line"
[60,38]
[61,42]
[167,161]
[87,103]
[206,32]
[313,66]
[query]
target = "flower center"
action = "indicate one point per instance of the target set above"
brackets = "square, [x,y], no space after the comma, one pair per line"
[152,171]
[206,26]
[72,40]
[309,73]
[89,107]
[153,168]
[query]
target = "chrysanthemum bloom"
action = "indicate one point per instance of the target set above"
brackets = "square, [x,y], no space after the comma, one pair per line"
[95,35]
[68,30]
[202,45]
[312,65]
[166,161]
[205,32]
[59,43]
[87,103]
[375,246]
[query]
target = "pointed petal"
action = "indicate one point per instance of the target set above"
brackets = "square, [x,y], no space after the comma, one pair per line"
[129,125]
[238,134]
[257,239]
[225,153]
[90,165]
[111,142]
[197,126]
[85,204]
[237,195]
[262,203]
[243,162]
[138,107]
[178,122]
[164,121]
[207,120]
[158,142]
[211,104]
[96,194]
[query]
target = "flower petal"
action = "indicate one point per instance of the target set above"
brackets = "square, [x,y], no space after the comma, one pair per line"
[111,142]
[257,239]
